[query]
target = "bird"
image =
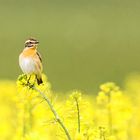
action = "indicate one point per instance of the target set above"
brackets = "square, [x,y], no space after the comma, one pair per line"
[30,60]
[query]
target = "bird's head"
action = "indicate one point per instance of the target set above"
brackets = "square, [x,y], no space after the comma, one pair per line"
[31,42]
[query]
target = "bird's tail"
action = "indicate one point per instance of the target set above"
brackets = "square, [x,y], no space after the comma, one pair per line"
[39,79]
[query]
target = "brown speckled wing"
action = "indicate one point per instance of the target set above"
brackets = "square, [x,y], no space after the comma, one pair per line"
[39,56]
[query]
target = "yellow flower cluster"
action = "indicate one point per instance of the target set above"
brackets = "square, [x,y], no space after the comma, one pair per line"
[32,112]
[114,110]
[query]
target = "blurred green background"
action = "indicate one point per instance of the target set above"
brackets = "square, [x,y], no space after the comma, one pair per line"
[83,42]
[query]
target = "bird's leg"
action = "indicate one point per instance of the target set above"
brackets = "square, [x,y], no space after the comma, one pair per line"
[35,78]
[28,80]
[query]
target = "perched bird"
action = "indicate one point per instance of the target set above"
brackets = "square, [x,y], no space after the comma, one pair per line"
[30,60]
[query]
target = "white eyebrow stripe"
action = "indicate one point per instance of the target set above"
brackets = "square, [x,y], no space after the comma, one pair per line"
[29,41]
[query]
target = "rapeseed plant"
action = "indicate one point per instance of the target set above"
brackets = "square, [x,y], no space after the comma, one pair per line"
[32,112]
[115,109]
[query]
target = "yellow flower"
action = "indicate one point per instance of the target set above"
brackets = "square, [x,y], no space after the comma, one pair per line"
[102,98]
[79,136]
[76,95]
[109,87]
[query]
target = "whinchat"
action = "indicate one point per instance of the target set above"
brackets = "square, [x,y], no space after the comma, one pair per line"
[30,60]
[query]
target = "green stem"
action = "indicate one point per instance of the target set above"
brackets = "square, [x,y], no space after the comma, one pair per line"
[102,133]
[54,112]
[109,114]
[27,122]
[78,114]
[24,123]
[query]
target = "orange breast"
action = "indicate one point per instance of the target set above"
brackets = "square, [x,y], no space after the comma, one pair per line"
[29,52]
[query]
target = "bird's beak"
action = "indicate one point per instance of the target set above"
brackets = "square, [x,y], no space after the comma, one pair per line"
[37,42]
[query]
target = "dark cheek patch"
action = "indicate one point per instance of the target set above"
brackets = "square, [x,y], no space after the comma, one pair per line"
[28,45]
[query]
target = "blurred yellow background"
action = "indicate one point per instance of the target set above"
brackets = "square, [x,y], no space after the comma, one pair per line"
[83,42]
